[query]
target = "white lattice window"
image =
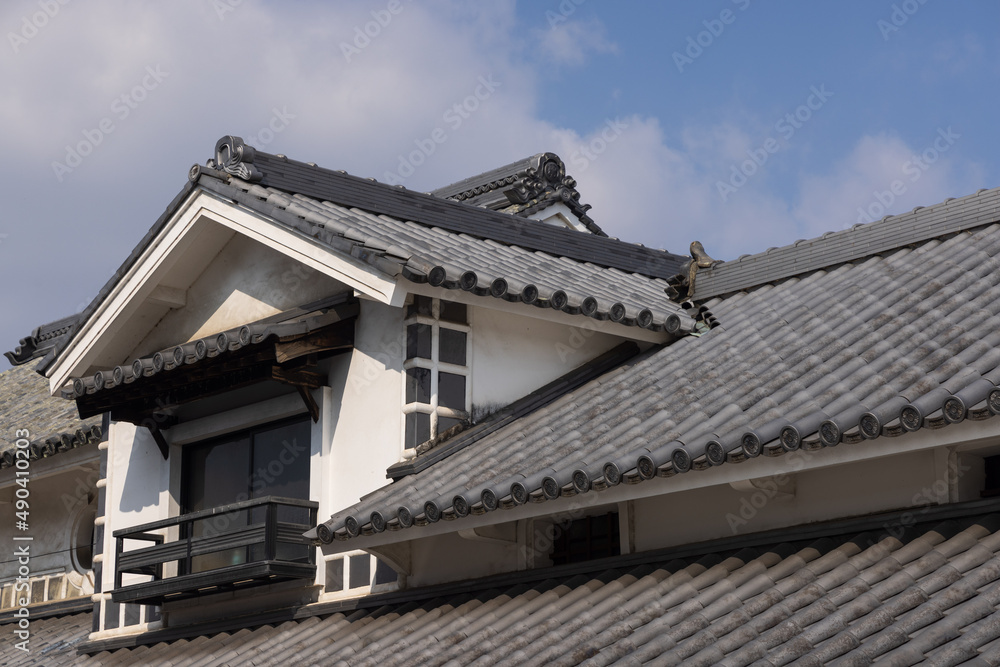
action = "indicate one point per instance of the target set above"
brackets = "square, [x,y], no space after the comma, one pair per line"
[436,387]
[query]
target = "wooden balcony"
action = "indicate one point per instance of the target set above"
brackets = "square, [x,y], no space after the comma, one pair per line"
[244,544]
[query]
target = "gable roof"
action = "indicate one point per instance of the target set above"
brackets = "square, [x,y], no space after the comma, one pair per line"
[53,423]
[891,343]
[425,238]
[522,188]
[840,594]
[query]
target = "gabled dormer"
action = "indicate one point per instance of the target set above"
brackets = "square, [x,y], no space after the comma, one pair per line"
[286,339]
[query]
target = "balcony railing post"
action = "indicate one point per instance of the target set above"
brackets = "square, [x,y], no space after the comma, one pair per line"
[119,548]
[188,529]
[271,531]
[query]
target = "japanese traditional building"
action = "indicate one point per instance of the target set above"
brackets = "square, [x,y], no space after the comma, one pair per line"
[320,419]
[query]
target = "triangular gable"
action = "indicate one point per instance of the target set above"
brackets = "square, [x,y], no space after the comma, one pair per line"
[211,265]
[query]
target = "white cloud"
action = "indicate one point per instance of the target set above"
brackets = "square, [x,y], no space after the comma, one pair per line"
[361,114]
[569,43]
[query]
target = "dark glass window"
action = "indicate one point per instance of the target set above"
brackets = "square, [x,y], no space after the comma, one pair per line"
[335,574]
[361,570]
[586,539]
[421,306]
[418,341]
[418,429]
[418,385]
[270,460]
[384,574]
[451,391]
[452,346]
[453,312]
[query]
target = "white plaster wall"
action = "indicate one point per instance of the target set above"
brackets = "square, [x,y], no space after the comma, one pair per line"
[365,413]
[451,557]
[246,281]
[847,490]
[513,355]
[137,489]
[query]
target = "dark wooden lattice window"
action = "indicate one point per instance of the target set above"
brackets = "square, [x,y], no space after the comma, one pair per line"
[586,539]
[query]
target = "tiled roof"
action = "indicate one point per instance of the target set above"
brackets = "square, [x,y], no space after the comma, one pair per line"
[522,188]
[889,344]
[427,239]
[847,245]
[51,641]
[928,595]
[53,423]
[432,239]
[223,343]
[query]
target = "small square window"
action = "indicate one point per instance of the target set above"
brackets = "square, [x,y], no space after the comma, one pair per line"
[452,350]
[361,570]
[451,391]
[384,574]
[421,306]
[335,575]
[454,312]
[418,429]
[418,385]
[418,341]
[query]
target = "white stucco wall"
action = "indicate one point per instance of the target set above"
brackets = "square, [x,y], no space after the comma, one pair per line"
[365,418]
[137,489]
[854,489]
[512,355]
[246,282]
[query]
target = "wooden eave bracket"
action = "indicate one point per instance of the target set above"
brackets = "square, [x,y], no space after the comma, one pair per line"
[304,381]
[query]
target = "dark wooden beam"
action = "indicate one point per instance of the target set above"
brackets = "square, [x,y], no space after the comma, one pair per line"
[299,377]
[310,402]
[160,441]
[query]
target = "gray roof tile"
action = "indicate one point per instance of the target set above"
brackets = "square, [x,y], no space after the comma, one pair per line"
[53,423]
[890,233]
[868,349]
[463,261]
[842,599]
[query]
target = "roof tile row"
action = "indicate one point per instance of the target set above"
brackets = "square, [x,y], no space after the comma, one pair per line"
[876,348]
[927,596]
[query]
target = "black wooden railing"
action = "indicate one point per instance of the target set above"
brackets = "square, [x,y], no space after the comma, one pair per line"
[261,539]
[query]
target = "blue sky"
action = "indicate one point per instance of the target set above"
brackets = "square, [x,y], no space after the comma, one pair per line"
[738,123]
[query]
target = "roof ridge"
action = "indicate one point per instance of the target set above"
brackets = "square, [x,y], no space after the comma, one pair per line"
[308,179]
[847,245]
